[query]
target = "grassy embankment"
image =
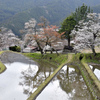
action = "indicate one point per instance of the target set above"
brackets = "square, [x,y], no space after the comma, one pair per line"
[53,59]
[82,60]
[89,58]
[2,66]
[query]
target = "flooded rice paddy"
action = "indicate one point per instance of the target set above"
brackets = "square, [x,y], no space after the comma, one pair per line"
[20,80]
[23,76]
[96,70]
[67,85]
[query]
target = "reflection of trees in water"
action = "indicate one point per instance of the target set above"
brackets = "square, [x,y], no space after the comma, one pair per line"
[32,79]
[73,84]
[96,70]
[27,76]
[95,67]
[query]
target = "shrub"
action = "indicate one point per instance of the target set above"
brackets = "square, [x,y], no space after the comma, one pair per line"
[18,49]
[15,48]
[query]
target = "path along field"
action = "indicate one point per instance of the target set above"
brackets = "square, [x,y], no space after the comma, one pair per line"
[97,49]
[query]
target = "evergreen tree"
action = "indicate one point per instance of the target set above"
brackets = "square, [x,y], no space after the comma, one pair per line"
[67,26]
[81,13]
[69,23]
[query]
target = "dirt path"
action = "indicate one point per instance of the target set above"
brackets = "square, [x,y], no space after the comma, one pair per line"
[10,57]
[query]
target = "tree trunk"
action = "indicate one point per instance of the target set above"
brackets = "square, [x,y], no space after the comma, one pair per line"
[69,42]
[41,50]
[93,50]
[56,51]
[51,51]
[68,37]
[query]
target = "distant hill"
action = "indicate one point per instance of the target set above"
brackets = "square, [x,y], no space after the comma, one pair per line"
[14,13]
[54,15]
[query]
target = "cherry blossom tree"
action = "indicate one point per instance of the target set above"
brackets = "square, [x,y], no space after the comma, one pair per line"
[51,36]
[32,34]
[44,22]
[8,38]
[87,34]
[46,36]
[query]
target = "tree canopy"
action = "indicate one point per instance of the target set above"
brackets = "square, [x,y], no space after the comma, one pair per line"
[88,33]
[69,23]
[45,35]
[66,27]
[81,13]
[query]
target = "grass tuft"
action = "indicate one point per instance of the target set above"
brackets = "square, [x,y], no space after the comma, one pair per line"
[50,58]
[2,66]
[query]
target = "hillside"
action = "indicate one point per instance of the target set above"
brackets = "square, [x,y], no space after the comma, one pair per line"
[52,14]
[14,13]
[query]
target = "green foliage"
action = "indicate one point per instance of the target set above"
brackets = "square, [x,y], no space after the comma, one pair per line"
[18,49]
[54,58]
[68,25]
[15,48]
[50,58]
[53,16]
[81,13]
[2,66]
[90,58]
[13,14]
[35,56]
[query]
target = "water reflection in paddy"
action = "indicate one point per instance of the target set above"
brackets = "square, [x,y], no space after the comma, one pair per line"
[96,70]
[67,85]
[20,80]
[31,82]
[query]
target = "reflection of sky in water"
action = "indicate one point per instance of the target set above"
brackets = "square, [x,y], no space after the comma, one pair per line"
[9,81]
[54,91]
[70,69]
[96,72]
[10,88]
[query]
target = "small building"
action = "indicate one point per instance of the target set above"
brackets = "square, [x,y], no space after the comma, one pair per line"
[30,49]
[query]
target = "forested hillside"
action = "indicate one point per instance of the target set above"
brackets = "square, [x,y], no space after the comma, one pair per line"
[14,13]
